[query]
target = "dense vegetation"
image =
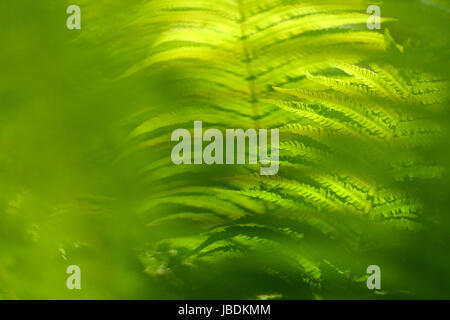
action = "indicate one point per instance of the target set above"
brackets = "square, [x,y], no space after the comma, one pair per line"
[87,179]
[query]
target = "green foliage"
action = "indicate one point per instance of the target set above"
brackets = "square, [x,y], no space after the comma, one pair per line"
[362,119]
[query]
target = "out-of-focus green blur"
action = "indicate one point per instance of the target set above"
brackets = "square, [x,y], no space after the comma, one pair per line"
[59,118]
[67,197]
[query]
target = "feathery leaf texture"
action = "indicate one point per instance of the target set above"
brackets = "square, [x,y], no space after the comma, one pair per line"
[309,68]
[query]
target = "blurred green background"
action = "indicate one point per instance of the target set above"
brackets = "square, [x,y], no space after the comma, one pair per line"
[68,196]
